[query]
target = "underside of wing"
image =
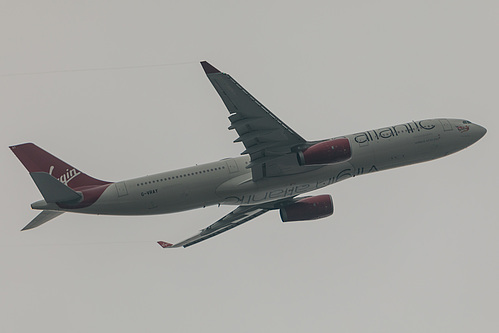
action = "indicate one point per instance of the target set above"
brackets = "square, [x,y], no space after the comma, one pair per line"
[238,216]
[235,218]
[270,143]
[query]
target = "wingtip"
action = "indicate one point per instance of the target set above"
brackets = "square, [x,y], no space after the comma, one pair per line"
[30,226]
[165,245]
[20,145]
[208,68]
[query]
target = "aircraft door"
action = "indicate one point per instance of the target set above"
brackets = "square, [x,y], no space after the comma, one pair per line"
[232,165]
[121,189]
[446,125]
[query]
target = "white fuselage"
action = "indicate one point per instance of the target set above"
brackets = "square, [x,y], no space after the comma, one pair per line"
[229,182]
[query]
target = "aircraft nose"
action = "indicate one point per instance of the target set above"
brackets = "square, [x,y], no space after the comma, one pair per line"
[464,134]
[480,132]
[476,133]
[469,131]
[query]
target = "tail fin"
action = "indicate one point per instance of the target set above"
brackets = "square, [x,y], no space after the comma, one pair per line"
[38,161]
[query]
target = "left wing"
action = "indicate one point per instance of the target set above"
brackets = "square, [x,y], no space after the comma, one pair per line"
[238,216]
[271,144]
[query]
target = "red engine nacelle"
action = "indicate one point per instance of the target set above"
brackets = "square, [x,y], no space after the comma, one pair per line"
[308,209]
[327,152]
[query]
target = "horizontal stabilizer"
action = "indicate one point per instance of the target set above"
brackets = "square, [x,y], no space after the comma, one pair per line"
[41,218]
[52,189]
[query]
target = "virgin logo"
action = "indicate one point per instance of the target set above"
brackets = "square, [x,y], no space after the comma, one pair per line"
[463,129]
[66,177]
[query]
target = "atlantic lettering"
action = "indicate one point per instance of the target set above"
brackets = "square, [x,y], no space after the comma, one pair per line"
[294,190]
[389,132]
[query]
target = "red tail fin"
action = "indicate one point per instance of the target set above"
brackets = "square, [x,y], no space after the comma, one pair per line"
[35,159]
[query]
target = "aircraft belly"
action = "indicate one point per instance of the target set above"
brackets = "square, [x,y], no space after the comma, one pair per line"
[239,192]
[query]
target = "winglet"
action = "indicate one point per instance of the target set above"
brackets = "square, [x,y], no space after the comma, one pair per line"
[165,245]
[209,69]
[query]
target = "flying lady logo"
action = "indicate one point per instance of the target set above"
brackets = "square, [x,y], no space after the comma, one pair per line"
[463,129]
[66,177]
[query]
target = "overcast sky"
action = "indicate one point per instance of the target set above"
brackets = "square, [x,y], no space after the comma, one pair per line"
[414,249]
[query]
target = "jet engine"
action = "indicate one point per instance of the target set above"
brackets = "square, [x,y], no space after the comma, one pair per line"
[326,152]
[310,208]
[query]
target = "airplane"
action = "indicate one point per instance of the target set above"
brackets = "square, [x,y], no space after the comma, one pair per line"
[277,168]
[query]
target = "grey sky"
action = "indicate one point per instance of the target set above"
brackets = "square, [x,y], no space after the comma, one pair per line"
[414,249]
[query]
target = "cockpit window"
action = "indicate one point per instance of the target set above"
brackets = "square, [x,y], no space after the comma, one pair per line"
[466,122]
